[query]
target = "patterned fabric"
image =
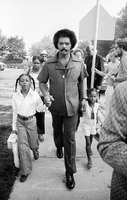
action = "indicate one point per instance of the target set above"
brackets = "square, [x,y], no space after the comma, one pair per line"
[112,144]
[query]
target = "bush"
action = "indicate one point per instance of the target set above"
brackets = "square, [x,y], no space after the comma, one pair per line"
[7,169]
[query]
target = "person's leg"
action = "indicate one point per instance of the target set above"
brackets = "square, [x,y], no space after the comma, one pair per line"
[88,151]
[33,136]
[40,125]
[91,140]
[57,123]
[25,162]
[70,124]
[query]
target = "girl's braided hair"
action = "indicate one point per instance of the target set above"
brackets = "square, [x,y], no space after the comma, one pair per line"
[18,79]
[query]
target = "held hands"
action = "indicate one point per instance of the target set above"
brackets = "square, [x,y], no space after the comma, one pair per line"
[48,100]
[14,132]
[82,107]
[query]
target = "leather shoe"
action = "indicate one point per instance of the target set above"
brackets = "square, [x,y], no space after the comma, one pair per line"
[36,154]
[89,164]
[23,178]
[70,182]
[59,153]
[41,137]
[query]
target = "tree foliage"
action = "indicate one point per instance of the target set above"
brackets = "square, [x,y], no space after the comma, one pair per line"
[46,44]
[16,48]
[121,23]
[3,44]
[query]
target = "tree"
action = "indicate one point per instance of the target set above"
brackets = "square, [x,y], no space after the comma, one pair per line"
[121,23]
[16,49]
[3,44]
[46,44]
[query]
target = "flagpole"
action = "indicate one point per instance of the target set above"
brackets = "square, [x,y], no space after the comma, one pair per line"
[95,43]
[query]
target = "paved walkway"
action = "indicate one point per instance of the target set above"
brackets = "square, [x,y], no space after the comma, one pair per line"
[47,179]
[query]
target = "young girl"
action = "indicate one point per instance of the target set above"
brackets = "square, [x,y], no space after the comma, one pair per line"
[89,121]
[39,115]
[111,70]
[25,103]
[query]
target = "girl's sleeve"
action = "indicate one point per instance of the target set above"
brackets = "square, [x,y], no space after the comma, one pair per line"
[40,107]
[14,118]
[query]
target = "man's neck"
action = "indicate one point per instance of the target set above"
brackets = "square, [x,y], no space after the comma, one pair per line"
[64,59]
[64,56]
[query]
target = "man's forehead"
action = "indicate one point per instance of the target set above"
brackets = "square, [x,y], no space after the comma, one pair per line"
[64,39]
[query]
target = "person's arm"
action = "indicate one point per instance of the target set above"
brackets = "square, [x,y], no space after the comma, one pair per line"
[40,107]
[99,72]
[43,78]
[112,144]
[14,116]
[47,97]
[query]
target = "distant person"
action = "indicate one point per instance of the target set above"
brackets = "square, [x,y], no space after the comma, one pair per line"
[79,53]
[99,64]
[121,48]
[25,103]
[43,57]
[112,144]
[66,75]
[89,121]
[111,70]
[40,115]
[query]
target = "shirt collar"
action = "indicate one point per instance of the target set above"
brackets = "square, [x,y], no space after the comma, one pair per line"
[30,92]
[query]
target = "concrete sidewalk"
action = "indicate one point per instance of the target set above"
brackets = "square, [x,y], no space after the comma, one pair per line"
[47,179]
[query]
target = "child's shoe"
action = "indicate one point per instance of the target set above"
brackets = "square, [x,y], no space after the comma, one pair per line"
[89,164]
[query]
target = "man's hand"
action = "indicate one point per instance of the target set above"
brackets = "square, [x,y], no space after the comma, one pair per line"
[82,107]
[48,100]
[14,132]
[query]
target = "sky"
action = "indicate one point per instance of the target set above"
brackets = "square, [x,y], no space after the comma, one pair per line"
[34,19]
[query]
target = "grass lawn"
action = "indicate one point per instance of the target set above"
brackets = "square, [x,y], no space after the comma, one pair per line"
[8,171]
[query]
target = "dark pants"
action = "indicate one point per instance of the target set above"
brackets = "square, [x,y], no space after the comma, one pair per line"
[40,116]
[64,129]
[40,122]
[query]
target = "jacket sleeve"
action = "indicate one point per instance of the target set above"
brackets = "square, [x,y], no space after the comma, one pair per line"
[112,144]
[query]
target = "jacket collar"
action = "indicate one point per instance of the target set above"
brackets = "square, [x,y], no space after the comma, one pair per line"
[72,62]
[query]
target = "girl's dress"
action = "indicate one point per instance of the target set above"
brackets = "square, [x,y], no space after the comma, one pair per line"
[88,124]
[112,69]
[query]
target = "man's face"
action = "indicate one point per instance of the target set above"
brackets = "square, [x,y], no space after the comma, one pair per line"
[118,50]
[64,45]
[43,57]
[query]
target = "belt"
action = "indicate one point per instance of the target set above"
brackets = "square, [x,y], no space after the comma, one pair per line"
[25,118]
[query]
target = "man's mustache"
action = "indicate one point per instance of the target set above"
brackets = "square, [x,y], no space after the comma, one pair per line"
[63,49]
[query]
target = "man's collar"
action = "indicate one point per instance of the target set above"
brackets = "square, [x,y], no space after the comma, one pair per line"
[55,58]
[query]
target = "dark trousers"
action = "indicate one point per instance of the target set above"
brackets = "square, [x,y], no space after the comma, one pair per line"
[40,122]
[64,129]
[40,116]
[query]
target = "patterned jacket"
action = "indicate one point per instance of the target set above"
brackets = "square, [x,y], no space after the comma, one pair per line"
[112,144]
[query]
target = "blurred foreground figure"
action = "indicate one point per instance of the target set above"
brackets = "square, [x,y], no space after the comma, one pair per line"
[112,145]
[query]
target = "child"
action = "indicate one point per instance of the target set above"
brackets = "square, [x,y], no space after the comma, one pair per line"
[39,115]
[25,102]
[111,70]
[89,121]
